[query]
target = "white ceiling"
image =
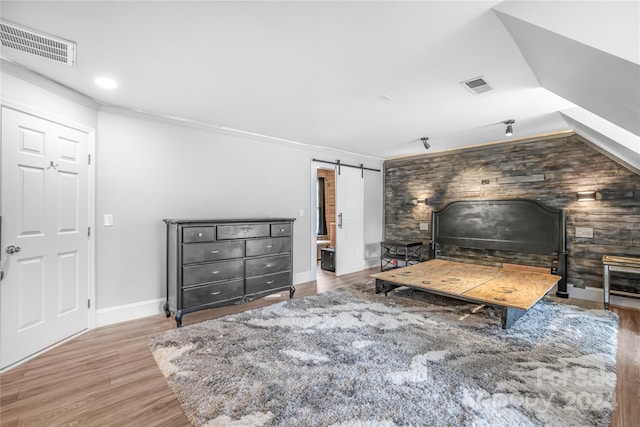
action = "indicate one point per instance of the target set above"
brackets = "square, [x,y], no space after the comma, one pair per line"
[315,72]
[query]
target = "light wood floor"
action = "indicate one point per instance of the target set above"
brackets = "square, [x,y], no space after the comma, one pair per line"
[107,376]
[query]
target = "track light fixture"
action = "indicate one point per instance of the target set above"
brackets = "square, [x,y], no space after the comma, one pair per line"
[509,130]
[424,140]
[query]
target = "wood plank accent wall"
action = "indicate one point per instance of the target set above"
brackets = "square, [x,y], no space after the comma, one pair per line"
[549,170]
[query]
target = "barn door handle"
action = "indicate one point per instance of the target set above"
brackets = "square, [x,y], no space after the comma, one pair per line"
[340,220]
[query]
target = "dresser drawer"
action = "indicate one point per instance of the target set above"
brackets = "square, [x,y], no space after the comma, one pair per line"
[242,231]
[212,251]
[283,229]
[212,272]
[268,265]
[207,294]
[268,246]
[266,283]
[198,234]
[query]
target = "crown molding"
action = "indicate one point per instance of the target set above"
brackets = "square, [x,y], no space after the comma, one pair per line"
[173,120]
[42,81]
[46,83]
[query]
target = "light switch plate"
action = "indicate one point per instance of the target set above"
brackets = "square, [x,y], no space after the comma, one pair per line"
[584,232]
[108,220]
[424,226]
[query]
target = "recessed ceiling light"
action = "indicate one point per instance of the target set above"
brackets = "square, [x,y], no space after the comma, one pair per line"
[106,83]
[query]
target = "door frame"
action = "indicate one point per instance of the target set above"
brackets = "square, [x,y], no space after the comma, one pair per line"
[313,216]
[91,209]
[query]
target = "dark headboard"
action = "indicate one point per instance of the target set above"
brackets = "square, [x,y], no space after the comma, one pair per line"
[518,225]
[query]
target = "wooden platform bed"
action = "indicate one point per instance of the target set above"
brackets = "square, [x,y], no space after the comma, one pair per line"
[518,226]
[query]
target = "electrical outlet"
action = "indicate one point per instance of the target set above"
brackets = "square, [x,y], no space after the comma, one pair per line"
[584,232]
[424,226]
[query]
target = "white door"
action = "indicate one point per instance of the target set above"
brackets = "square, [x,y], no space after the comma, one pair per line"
[350,220]
[45,242]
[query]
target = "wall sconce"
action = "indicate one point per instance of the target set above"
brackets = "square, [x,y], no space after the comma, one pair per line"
[586,196]
[419,202]
[509,130]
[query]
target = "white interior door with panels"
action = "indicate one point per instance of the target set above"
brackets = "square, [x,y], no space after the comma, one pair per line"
[45,241]
[350,220]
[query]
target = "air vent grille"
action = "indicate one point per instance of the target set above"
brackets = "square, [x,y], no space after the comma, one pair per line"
[477,85]
[44,46]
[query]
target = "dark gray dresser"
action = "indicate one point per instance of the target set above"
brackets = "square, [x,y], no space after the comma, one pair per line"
[211,263]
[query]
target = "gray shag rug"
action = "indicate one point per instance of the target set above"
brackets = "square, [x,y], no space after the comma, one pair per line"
[352,358]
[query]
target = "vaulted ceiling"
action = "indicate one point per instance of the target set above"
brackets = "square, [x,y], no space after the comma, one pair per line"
[365,77]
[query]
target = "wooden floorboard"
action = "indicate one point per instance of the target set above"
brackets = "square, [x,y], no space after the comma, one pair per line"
[107,376]
[627,395]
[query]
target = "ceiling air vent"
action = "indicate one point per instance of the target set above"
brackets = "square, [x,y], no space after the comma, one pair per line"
[44,46]
[477,85]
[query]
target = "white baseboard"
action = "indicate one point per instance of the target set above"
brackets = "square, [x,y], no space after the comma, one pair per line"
[597,294]
[372,262]
[122,313]
[303,277]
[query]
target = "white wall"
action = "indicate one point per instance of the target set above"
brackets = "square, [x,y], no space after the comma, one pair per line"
[148,170]
[373,215]
[20,88]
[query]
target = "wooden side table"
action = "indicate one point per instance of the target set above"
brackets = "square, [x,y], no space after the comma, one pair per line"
[617,263]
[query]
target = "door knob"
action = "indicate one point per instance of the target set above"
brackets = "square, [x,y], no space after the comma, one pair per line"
[12,249]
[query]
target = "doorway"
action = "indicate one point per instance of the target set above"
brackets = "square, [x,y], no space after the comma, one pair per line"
[325,224]
[46,254]
[340,194]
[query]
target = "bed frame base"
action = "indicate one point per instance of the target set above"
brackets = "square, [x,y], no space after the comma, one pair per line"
[509,314]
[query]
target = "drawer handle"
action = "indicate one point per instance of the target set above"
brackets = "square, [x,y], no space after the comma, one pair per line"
[216,293]
[269,265]
[269,246]
[270,282]
[215,272]
[282,230]
[199,234]
[215,252]
[246,230]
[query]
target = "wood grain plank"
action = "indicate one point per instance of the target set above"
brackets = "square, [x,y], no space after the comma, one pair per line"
[513,288]
[517,288]
[440,275]
[542,270]
[626,402]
